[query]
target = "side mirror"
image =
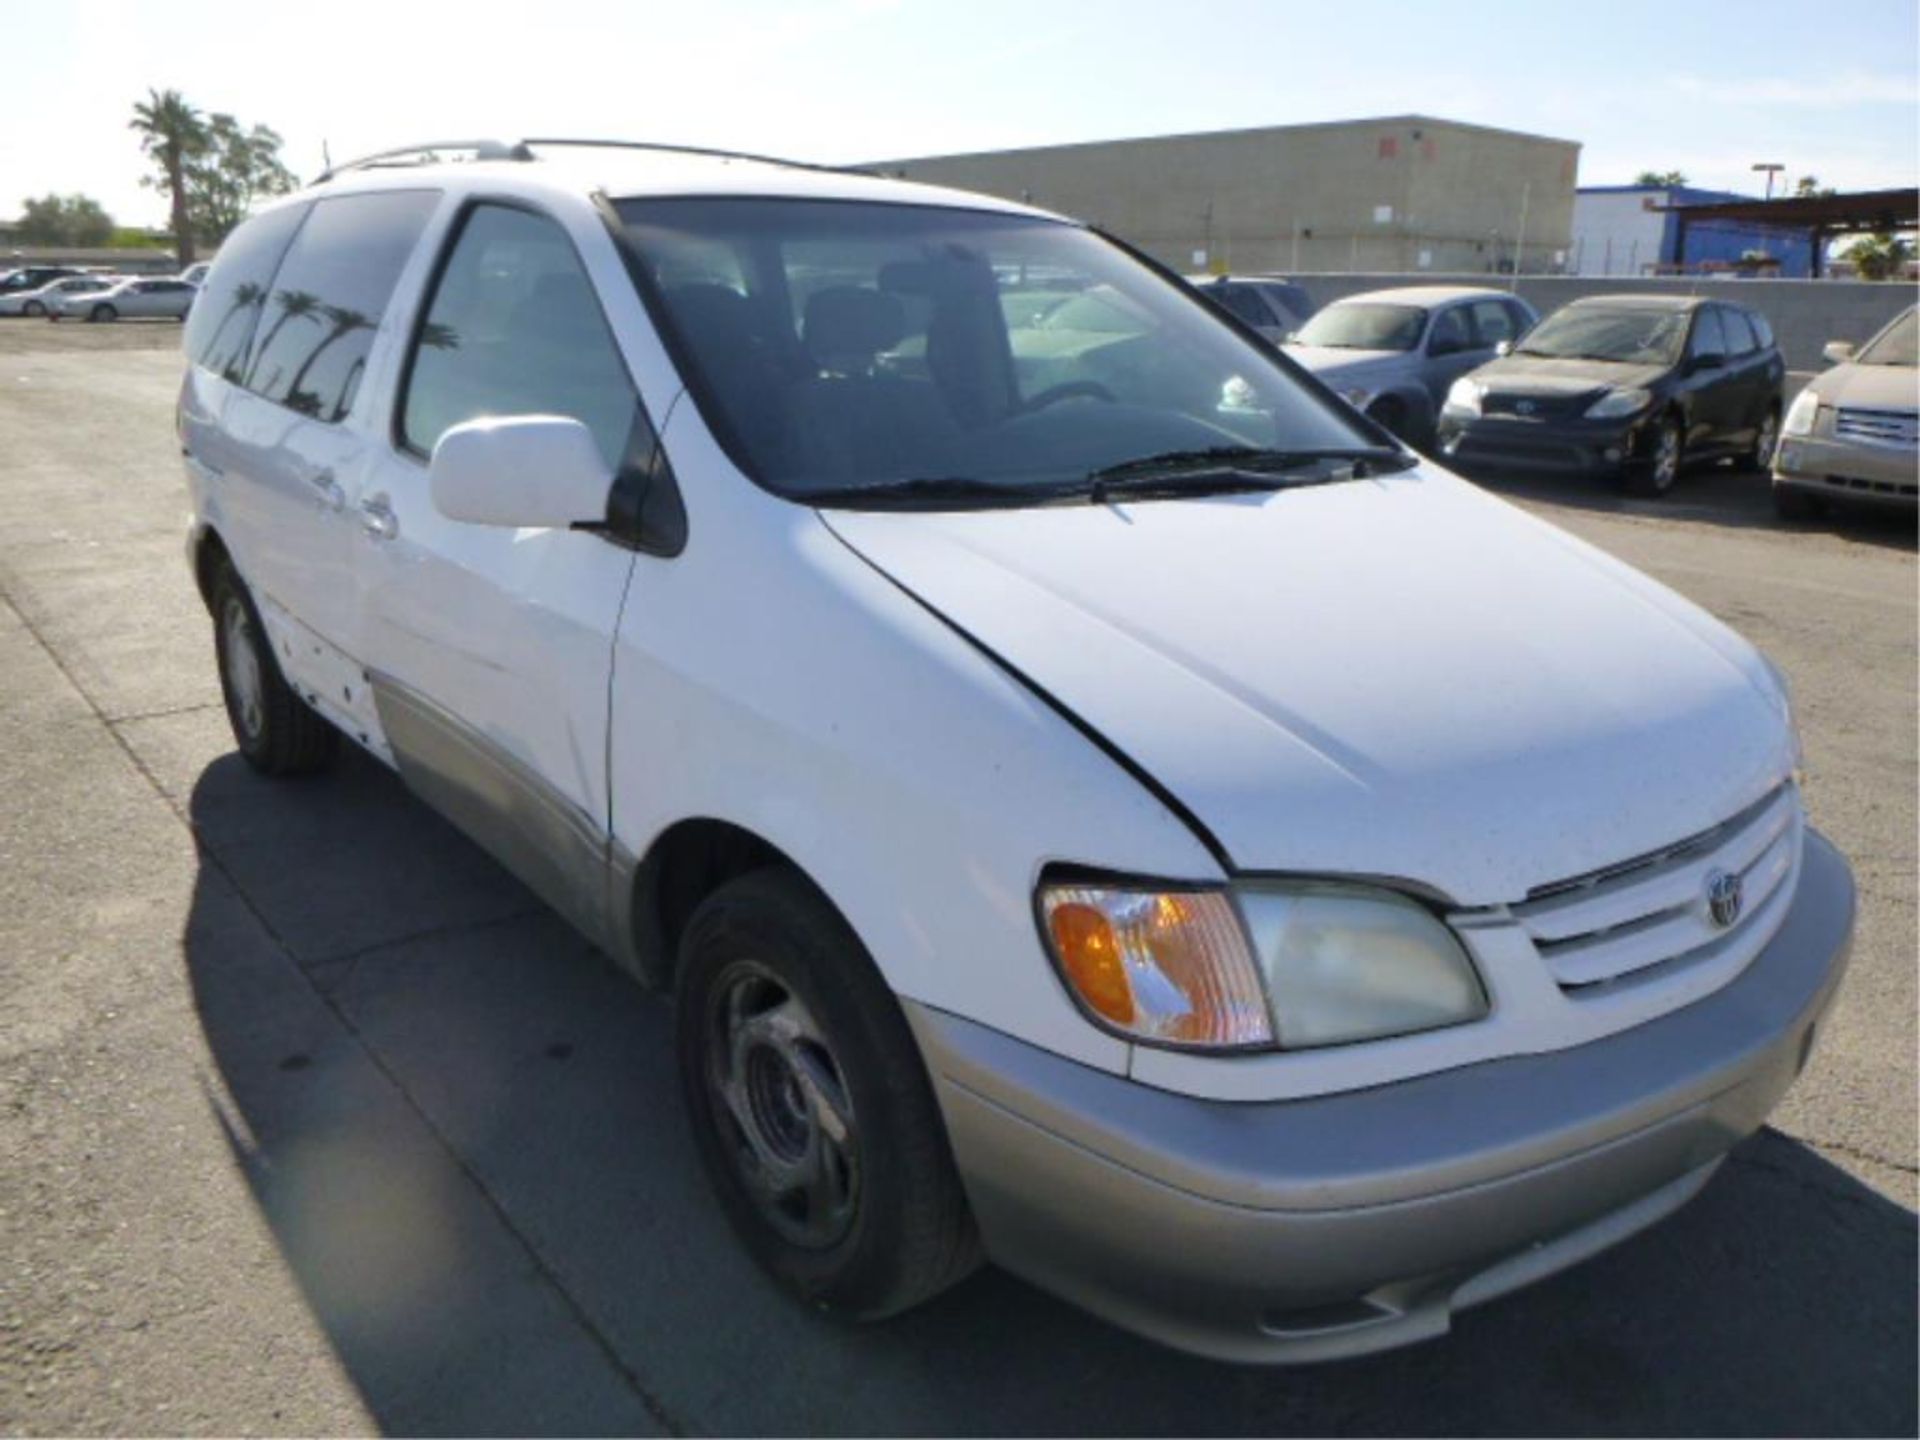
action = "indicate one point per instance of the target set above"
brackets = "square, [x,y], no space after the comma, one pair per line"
[1839,352]
[1503,349]
[520,471]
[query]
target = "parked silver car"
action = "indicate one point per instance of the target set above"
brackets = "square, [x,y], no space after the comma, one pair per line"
[43,300]
[167,297]
[1394,353]
[1852,434]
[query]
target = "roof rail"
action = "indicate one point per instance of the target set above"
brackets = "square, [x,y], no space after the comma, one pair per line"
[523,150]
[425,155]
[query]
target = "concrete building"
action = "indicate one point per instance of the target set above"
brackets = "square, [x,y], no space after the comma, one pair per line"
[1405,193]
[1630,230]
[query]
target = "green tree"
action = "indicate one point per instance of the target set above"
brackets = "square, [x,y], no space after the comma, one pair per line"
[1880,257]
[75,220]
[172,133]
[1665,179]
[233,168]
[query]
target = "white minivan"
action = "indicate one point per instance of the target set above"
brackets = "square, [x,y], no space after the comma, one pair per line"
[1098,802]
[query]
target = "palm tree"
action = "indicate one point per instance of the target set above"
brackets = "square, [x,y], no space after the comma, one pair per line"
[344,322]
[172,132]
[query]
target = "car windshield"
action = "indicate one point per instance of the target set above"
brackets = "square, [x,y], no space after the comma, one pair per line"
[1364,326]
[836,346]
[1629,335]
[1894,345]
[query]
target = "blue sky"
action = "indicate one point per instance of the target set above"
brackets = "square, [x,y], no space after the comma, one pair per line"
[1704,86]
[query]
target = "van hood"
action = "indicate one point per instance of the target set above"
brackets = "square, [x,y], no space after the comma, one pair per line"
[1399,677]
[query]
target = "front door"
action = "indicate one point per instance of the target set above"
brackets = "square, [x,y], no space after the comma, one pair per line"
[490,649]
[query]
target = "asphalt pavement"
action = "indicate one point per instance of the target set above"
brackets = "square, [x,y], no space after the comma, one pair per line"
[315,1121]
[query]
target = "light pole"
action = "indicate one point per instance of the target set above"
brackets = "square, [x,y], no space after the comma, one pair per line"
[1773,168]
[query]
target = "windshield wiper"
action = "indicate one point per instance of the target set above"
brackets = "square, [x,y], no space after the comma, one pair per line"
[1239,467]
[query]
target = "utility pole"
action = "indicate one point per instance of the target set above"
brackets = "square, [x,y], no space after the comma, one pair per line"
[1520,245]
[1772,168]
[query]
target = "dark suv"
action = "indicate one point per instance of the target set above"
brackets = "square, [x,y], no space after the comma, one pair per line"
[32,277]
[1629,386]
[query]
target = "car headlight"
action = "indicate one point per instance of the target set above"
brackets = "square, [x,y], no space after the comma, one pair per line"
[1464,397]
[1801,414]
[1329,963]
[1616,403]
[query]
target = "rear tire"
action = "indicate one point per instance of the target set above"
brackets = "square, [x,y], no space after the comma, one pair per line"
[104,313]
[277,732]
[811,1106]
[1765,440]
[33,307]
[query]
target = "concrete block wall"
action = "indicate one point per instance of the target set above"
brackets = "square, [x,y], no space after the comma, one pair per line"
[1805,314]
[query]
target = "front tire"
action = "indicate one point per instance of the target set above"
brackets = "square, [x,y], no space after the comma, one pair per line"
[1760,458]
[277,732]
[1656,477]
[811,1107]
[103,313]
[33,307]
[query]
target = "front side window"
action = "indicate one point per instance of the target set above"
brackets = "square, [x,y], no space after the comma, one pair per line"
[221,328]
[1494,321]
[1365,326]
[1894,345]
[1450,334]
[837,345]
[514,328]
[1626,335]
[318,324]
[1708,337]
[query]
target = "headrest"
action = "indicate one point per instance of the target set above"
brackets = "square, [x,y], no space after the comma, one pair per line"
[852,321]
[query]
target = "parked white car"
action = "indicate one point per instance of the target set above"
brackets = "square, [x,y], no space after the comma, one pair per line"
[45,300]
[1107,807]
[131,298]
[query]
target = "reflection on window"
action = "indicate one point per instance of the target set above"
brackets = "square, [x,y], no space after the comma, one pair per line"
[514,328]
[327,300]
[221,327]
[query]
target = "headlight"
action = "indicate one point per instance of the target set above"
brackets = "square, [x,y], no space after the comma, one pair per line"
[1801,414]
[1616,403]
[1330,963]
[1171,967]
[1464,397]
[1351,962]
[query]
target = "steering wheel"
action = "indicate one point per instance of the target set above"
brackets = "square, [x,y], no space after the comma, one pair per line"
[1072,390]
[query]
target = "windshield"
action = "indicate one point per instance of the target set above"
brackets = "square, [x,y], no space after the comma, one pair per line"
[835,346]
[1895,344]
[1364,326]
[1629,335]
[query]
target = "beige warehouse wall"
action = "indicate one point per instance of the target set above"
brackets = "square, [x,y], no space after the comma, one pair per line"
[1364,195]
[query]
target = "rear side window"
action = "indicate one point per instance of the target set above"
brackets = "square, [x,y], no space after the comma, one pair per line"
[514,328]
[1761,329]
[328,299]
[1240,300]
[220,330]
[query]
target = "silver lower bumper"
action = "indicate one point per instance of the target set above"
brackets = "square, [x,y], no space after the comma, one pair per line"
[1288,1231]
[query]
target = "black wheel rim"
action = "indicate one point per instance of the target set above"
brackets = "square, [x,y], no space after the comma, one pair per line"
[782,1107]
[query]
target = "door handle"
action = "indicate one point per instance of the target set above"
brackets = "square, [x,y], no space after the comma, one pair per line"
[327,490]
[377,518]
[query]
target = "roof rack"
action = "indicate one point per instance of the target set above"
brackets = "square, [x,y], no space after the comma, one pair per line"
[427,154]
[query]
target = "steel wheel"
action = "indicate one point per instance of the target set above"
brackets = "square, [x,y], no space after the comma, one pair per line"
[33,307]
[1666,457]
[1764,441]
[246,699]
[785,1101]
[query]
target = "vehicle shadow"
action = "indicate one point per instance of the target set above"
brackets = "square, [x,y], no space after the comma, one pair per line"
[463,1130]
[1714,494]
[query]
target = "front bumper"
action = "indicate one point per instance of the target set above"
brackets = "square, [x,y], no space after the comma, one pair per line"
[1561,446]
[1314,1229]
[1858,474]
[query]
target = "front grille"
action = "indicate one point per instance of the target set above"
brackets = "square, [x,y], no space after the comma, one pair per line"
[1909,490]
[1535,407]
[1649,917]
[1878,427]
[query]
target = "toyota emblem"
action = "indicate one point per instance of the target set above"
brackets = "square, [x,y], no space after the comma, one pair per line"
[1723,898]
[1523,407]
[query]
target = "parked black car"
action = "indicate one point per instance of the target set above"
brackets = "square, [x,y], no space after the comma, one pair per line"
[1631,386]
[32,277]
